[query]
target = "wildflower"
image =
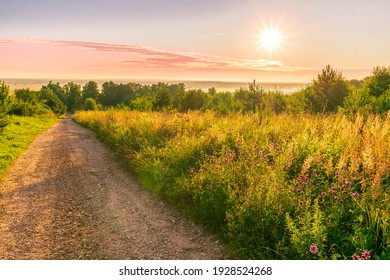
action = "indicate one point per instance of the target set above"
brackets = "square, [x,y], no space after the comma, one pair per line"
[356,257]
[301,203]
[210,187]
[200,181]
[336,197]
[225,160]
[306,179]
[344,192]
[214,153]
[355,195]
[298,190]
[201,170]
[323,193]
[331,191]
[337,174]
[191,171]
[366,254]
[315,175]
[299,180]
[313,248]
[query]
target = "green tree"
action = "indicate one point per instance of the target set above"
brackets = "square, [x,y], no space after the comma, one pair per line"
[4,105]
[358,101]
[58,90]
[90,104]
[379,82]
[142,103]
[26,95]
[194,100]
[90,90]
[162,97]
[47,97]
[331,88]
[73,96]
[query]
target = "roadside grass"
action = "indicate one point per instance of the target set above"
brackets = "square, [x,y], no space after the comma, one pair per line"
[274,187]
[15,138]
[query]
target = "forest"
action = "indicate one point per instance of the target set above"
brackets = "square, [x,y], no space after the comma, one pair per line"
[329,92]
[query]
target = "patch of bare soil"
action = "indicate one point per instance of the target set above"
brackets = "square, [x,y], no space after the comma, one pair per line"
[67,197]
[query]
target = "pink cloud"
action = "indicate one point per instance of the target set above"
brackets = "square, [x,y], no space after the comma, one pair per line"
[74,57]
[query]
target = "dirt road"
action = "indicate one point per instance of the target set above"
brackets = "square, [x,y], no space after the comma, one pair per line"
[67,197]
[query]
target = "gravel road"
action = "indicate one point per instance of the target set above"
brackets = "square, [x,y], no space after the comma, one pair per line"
[67,197]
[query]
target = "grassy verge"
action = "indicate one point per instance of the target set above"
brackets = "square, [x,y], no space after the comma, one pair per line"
[15,138]
[279,187]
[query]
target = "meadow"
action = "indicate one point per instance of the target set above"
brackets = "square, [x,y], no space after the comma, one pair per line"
[282,186]
[17,135]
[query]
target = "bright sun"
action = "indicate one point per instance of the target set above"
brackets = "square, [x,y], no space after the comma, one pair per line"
[270,39]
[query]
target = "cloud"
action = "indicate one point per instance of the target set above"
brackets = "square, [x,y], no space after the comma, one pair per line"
[149,57]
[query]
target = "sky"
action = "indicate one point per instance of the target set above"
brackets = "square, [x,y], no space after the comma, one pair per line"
[191,39]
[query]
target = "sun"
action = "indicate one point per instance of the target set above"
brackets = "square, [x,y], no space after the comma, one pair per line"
[270,39]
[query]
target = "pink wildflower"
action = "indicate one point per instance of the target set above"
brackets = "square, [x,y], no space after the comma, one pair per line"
[323,193]
[355,195]
[298,190]
[313,248]
[356,257]
[366,254]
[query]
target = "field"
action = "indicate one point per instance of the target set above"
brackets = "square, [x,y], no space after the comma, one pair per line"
[15,137]
[303,186]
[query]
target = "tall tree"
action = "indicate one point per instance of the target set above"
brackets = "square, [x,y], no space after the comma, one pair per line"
[73,95]
[90,90]
[331,88]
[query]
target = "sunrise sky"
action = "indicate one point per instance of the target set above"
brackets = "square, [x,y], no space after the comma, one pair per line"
[191,39]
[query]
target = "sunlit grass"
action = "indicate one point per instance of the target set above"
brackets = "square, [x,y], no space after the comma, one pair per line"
[16,137]
[286,187]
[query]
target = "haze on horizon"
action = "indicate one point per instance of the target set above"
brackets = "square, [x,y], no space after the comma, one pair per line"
[192,40]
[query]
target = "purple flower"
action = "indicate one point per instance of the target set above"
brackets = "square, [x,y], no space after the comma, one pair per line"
[344,192]
[336,197]
[201,170]
[306,179]
[323,193]
[200,181]
[366,254]
[315,175]
[301,203]
[225,160]
[355,195]
[299,180]
[298,190]
[313,248]
[210,187]
[191,171]
[337,174]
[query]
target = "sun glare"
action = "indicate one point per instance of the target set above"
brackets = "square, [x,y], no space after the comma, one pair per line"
[270,39]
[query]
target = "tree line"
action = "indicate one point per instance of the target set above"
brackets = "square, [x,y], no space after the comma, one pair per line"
[328,92]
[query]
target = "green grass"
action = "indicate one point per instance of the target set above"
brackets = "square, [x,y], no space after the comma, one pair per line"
[274,187]
[15,138]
